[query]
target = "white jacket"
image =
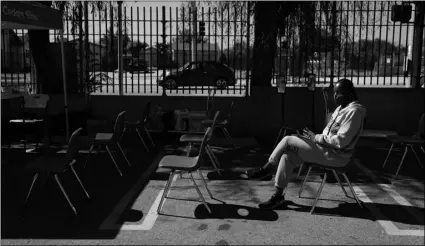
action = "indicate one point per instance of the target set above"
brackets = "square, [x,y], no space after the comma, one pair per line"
[340,135]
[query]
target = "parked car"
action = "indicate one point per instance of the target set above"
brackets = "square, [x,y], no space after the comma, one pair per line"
[207,73]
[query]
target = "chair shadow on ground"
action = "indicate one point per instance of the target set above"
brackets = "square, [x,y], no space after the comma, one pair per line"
[232,211]
[391,212]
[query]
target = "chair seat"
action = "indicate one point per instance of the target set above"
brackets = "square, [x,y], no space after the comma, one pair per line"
[103,137]
[218,123]
[177,162]
[26,121]
[406,139]
[188,138]
[54,164]
[338,169]
[132,123]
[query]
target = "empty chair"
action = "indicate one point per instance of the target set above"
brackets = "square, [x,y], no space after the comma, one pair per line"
[222,124]
[198,138]
[33,116]
[408,142]
[140,125]
[110,140]
[185,164]
[56,165]
[335,171]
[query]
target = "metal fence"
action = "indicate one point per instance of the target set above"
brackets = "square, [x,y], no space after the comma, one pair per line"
[348,39]
[355,39]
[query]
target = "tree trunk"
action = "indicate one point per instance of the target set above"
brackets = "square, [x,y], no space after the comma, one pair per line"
[38,42]
[265,25]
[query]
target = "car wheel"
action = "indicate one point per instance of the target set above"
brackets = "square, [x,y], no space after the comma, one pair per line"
[221,83]
[170,83]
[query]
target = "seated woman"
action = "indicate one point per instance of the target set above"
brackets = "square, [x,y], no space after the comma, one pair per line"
[334,147]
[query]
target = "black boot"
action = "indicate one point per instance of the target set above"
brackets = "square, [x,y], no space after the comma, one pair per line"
[274,202]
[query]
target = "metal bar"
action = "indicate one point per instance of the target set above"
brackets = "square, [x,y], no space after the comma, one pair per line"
[366,54]
[157,46]
[379,46]
[120,49]
[360,40]
[386,42]
[144,51]
[132,47]
[142,47]
[373,43]
[164,39]
[354,34]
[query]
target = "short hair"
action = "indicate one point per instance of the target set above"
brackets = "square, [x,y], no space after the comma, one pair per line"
[347,85]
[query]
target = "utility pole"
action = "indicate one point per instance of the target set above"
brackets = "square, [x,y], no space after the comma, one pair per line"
[194,22]
[417,43]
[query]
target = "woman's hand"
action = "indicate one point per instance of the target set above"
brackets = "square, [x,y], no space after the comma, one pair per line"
[308,134]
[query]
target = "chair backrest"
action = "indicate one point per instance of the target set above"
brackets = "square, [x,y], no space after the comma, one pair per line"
[201,152]
[118,127]
[213,125]
[73,145]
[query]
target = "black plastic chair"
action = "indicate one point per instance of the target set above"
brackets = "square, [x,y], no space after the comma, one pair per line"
[198,138]
[185,164]
[56,165]
[222,124]
[109,141]
[140,125]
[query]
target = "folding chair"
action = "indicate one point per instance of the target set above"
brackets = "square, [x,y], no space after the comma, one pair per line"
[139,125]
[185,164]
[334,170]
[110,140]
[417,140]
[33,113]
[223,124]
[55,165]
[197,139]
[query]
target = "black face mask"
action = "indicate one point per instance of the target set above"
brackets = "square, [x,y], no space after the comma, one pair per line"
[342,100]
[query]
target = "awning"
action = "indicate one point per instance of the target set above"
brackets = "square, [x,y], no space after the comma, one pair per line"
[28,15]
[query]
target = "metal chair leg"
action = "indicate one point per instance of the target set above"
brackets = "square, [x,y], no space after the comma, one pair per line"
[79,181]
[318,193]
[34,179]
[401,162]
[205,183]
[417,158]
[88,156]
[229,138]
[199,193]
[299,171]
[212,160]
[122,152]
[141,139]
[279,136]
[352,190]
[213,155]
[340,184]
[149,136]
[66,195]
[113,160]
[305,179]
[388,155]
[165,193]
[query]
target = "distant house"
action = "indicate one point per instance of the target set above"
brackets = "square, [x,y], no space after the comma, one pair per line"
[97,52]
[181,52]
[15,55]
[150,55]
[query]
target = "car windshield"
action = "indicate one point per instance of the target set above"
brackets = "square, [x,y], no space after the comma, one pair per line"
[184,67]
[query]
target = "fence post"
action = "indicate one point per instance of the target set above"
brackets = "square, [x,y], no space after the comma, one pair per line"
[194,22]
[418,34]
[248,60]
[333,43]
[120,49]
[164,36]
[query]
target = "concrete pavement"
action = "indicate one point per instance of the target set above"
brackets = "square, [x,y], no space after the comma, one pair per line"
[393,213]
